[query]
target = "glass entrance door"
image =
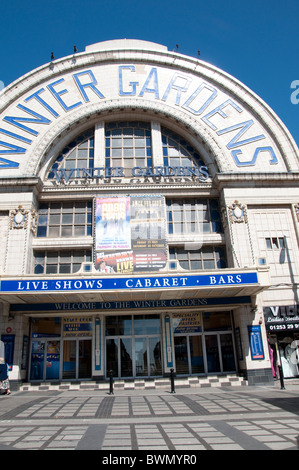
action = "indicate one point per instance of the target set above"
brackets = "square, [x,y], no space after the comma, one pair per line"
[189,355]
[119,357]
[45,359]
[208,353]
[133,346]
[76,359]
[52,360]
[141,357]
[133,357]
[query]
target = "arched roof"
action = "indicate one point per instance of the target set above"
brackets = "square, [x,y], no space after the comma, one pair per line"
[237,131]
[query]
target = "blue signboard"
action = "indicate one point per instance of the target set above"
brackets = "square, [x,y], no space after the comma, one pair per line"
[129,283]
[256,343]
[130,304]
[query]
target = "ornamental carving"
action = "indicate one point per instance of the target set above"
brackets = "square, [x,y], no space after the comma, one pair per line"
[19,218]
[33,224]
[237,213]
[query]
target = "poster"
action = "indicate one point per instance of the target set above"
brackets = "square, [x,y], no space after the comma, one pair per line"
[113,223]
[130,234]
[256,343]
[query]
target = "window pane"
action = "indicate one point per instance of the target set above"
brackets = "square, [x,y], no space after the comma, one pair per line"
[78,256]
[39,269]
[196,265]
[65,256]
[146,324]
[52,257]
[217,321]
[79,231]
[54,219]
[51,269]
[80,219]
[67,218]
[42,219]
[65,268]
[209,264]
[66,231]
[118,325]
[54,231]
[41,232]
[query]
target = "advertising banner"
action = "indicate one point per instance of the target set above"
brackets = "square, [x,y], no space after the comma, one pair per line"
[113,223]
[256,342]
[130,234]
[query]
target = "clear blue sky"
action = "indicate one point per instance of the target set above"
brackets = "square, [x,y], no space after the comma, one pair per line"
[256,41]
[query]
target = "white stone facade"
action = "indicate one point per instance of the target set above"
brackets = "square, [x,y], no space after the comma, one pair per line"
[250,165]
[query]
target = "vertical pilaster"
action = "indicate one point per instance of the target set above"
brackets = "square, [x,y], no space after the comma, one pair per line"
[98,347]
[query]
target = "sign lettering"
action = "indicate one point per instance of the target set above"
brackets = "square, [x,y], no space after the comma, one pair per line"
[89,86]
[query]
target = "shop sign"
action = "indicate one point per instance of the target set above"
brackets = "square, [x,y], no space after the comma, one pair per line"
[282,318]
[256,343]
[130,304]
[186,322]
[76,327]
[129,283]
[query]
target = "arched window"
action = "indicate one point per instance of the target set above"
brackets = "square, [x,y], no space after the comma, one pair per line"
[177,151]
[125,145]
[77,154]
[128,144]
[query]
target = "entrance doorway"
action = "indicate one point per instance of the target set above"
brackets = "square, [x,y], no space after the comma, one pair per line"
[134,357]
[45,359]
[204,353]
[133,346]
[76,359]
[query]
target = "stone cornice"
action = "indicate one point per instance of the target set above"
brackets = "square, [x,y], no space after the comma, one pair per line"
[222,180]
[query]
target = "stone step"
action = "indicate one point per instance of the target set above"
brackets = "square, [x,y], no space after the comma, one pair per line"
[139,384]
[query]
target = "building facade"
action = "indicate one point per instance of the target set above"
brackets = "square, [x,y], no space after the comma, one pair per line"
[149,221]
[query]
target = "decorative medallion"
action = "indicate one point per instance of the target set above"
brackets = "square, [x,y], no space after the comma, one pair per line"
[237,213]
[19,218]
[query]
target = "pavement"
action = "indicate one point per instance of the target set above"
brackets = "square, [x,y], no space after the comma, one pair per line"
[157,422]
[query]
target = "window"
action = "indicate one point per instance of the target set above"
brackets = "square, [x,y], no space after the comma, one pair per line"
[128,144]
[208,257]
[217,321]
[193,216]
[78,154]
[275,243]
[60,262]
[177,151]
[65,219]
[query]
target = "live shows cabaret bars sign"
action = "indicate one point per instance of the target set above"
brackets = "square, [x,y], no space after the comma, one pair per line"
[128,283]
